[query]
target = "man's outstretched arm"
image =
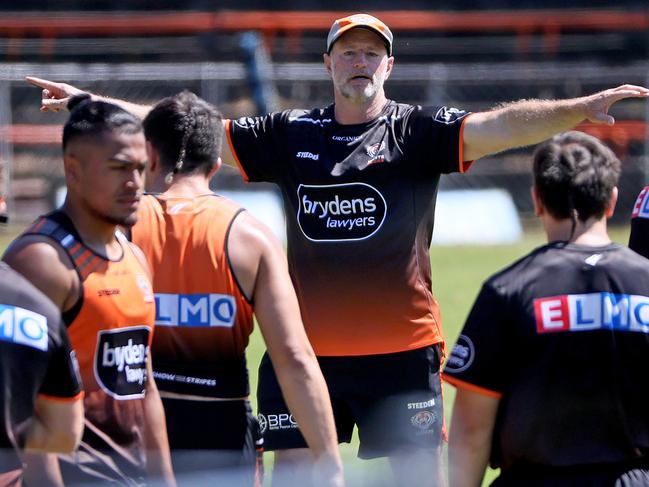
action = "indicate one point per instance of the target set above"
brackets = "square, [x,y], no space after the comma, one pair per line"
[260,265]
[55,96]
[528,122]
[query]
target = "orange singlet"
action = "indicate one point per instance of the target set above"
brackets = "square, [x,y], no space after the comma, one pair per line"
[110,329]
[203,318]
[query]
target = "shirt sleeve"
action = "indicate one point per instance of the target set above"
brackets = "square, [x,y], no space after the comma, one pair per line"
[434,139]
[256,145]
[62,379]
[639,239]
[478,359]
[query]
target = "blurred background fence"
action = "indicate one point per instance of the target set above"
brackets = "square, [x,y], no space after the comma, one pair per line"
[248,61]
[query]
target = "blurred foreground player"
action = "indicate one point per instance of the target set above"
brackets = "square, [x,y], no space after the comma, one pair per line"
[551,366]
[40,389]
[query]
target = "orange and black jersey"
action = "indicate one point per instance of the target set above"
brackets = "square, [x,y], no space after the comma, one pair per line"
[110,329]
[360,202]
[35,359]
[562,338]
[203,318]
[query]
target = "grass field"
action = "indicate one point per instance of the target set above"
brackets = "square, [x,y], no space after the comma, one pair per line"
[458,273]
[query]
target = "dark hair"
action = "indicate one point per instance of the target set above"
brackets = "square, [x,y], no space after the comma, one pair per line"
[574,175]
[186,131]
[91,118]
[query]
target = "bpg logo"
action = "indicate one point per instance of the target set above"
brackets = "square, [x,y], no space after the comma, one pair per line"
[195,310]
[340,212]
[24,327]
[594,311]
[276,422]
[120,361]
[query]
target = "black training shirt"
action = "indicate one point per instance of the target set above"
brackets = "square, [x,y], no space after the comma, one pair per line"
[360,202]
[562,337]
[35,358]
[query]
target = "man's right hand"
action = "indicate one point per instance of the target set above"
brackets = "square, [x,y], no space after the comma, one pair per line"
[55,96]
[328,471]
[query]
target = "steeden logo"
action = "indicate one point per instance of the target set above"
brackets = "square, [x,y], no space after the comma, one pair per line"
[307,155]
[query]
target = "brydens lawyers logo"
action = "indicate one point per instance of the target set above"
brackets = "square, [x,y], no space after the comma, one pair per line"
[340,212]
[462,355]
[120,361]
[593,311]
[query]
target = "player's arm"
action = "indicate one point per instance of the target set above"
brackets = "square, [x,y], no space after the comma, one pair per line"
[261,268]
[469,446]
[528,122]
[158,461]
[57,425]
[55,96]
[155,429]
[47,268]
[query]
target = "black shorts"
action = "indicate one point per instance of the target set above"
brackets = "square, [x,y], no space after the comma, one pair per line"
[394,399]
[214,440]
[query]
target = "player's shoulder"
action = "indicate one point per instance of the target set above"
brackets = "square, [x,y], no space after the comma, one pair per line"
[37,249]
[523,270]
[249,234]
[149,200]
[17,291]
[444,114]
[314,117]
[627,258]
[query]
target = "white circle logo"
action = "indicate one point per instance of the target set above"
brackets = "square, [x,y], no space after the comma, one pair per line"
[263,423]
[462,355]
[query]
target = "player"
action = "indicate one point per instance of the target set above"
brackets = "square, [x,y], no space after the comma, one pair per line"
[359,180]
[39,384]
[639,238]
[100,282]
[213,265]
[550,366]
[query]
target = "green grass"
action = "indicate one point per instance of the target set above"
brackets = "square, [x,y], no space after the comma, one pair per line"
[458,273]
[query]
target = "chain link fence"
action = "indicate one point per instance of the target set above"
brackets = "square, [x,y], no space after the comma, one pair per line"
[31,168]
